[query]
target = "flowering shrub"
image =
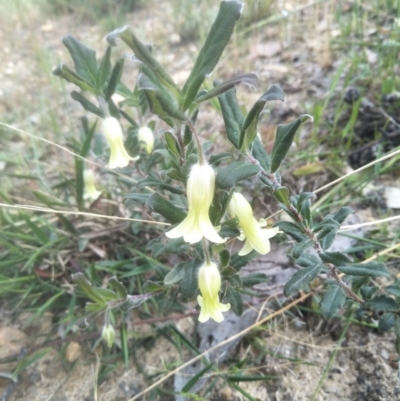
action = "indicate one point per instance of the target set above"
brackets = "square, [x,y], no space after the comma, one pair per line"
[201,193]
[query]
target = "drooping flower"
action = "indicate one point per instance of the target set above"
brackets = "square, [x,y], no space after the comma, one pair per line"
[210,285]
[256,237]
[108,334]
[112,131]
[200,193]
[146,138]
[90,191]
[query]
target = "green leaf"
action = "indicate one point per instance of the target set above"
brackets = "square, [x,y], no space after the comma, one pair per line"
[104,69]
[301,247]
[382,303]
[87,105]
[249,130]
[249,79]
[114,79]
[386,322]
[151,286]
[161,101]
[335,258]
[64,72]
[283,140]
[233,116]
[394,289]
[217,39]
[143,54]
[237,261]
[172,246]
[235,299]
[229,176]
[155,183]
[224,257]
[171,143]
[194,380]
[304,206]
[301,278]
[84,59]
[86,287]
[189,282]
[333,299]
[254,278]
[118,288]
[367,292]
[292,229]
[342,213]
[164,207]
[261,155]
[370,269]
[282,195]
[175,275]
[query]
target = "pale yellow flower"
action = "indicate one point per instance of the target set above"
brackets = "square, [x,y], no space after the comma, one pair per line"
[112,131]
[256,237]
[200,193]
[146,138]
[90,191]
[210,285]
[108,334]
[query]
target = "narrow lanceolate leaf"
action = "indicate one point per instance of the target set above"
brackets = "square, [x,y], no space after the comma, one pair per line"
[333,300]
[143,54]
[164,207]
[282,195]
[249,79]
[236,301]
[115,285]
[86,287]
[175,275]
[104,69]
[342,213]
[64,72]
[336,258]
[189,283]
[114,79]
[370,269]
[261,155]
[301,247]
[292,229]
[283,140]
[233,116]
[229,176]
[249,131]
[301,278]
[160,100]
[84,59]
[87,105]
[394,289]
[217,39]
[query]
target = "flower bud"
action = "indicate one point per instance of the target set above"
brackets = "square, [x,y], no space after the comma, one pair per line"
[200,193]
[146,138]
[210,285]
[112,131]
[108,334]
[256,237]
[90,192]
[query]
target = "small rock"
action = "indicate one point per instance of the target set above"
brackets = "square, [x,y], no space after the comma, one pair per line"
[73,351]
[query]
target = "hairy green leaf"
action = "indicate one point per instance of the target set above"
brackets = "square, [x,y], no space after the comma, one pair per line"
[301,278]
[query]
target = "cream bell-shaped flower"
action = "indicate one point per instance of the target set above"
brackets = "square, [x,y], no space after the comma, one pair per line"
[256,237]
[146,138]
[210,285]
[200,193]
[90,191]
[112,131]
